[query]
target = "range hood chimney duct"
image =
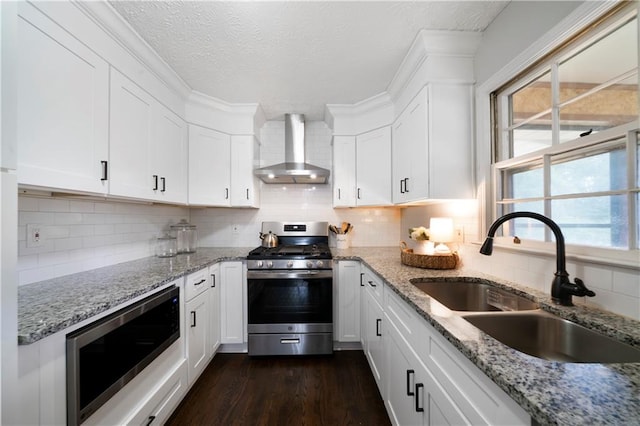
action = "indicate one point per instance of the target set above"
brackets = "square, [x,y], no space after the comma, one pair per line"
[294,169]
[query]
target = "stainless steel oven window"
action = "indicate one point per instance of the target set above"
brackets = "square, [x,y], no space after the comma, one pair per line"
[104,356]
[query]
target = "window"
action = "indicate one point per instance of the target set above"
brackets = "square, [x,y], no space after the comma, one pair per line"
[566,139]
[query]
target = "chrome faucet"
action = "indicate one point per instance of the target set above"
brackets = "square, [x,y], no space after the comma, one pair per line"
[561,288]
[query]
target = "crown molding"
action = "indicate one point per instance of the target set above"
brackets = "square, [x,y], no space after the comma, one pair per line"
[103,14]
[432,44]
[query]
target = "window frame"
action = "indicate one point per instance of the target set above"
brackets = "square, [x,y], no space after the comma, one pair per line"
[499,108]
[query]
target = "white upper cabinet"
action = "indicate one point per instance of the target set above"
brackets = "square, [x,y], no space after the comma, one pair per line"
[209,171]
[373,168]
[221,169]
[244,185]
[344,176]
[63,107]
[362,169]
[147,146]
[432,148]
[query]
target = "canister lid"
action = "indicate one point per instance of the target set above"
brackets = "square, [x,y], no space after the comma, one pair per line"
[183,224]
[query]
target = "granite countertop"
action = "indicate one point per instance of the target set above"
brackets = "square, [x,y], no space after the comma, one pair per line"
[551,392]
[47,307]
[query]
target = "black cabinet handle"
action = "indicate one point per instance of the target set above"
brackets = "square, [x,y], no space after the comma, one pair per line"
[406,184]
[193,318]
[361,275]
[226,193]
[378,322]
[155,182]
[247,193]
[401,187]
[371,283]
[213,280]
[200,282]
[104,170]
[409,374]
[419,386]
[151,419]
[164,184]
[358,193]
[339,195]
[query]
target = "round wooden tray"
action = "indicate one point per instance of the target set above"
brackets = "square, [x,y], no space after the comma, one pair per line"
[436,261]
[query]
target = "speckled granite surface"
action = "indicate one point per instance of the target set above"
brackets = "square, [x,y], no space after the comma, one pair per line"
[47,307]
[551,392]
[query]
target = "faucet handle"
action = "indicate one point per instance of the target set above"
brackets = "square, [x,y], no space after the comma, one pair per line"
[582,289]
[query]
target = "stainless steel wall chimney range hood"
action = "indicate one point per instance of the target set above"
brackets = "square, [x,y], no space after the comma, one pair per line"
[294,169]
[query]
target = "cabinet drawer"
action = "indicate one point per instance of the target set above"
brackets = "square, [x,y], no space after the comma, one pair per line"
[196,283]
[374,284]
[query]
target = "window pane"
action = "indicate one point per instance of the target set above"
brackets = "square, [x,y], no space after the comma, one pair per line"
[532,136]
[524,228]
[532,99]
[600,62]
[527,183]
[603,171]
[612,106]
[594,221]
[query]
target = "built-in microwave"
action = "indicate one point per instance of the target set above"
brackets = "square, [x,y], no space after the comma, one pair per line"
[105,355]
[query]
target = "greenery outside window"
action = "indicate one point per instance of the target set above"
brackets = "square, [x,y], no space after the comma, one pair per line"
[566,139]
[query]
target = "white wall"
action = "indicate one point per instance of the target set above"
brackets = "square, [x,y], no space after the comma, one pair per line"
[372,227]
[514,29]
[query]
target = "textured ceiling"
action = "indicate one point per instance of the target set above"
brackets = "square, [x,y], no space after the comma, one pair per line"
[294,56]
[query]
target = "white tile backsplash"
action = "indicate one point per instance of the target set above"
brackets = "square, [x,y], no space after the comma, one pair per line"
[79,235]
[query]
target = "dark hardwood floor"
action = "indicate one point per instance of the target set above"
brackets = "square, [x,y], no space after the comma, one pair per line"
[236,389]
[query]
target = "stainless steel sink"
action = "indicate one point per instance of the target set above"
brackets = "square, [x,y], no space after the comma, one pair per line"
[546,336]
[472,296]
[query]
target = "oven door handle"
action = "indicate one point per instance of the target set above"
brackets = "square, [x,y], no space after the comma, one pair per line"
[278,275]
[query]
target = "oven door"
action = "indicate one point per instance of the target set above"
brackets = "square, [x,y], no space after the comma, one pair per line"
[290,301]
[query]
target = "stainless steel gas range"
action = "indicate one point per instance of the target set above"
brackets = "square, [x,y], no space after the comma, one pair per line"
[290,291]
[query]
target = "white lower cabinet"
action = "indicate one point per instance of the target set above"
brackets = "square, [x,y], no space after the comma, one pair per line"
[413,396]
[373,326]
[232,303]
[214,309]
[447,388]
[347,302]
[197,322]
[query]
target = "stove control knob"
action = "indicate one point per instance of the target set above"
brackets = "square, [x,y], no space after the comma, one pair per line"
[319,264]
[269,264]
[260,263]
[290,264]
[309,264]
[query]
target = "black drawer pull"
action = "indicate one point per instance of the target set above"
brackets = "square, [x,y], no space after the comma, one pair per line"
[201,281]
[104,170]
[409,374]
[371,283]
[419,386]
[151,419]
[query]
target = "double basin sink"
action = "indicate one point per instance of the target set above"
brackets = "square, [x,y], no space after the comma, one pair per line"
[520,324]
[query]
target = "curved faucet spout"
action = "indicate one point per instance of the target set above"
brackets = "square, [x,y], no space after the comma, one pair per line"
[561,289]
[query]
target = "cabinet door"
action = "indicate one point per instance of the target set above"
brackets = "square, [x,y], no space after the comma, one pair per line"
[344,171]
[214,309]
[374,339]
[401,380]
[131,140]
[231,302]
[197,321]
[243,182]
[400,159]
[62,107]
[209,167]
[373,168]
[348,300]
[169,155]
